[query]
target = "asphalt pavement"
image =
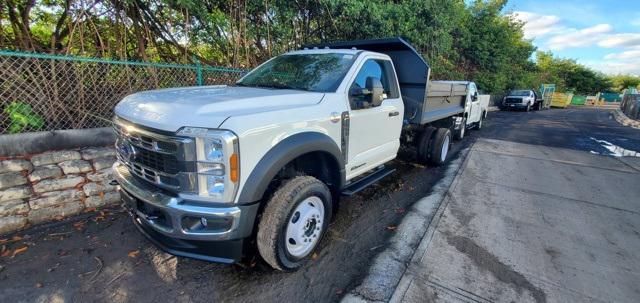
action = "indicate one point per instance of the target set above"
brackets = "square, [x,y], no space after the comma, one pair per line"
[545,208]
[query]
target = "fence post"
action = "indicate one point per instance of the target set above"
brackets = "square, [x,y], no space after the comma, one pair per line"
[198,71]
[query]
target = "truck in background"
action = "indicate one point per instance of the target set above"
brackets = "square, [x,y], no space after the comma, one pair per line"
[207,171]
[526,99]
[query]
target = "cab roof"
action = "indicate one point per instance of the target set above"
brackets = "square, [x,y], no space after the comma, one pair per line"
[325,51]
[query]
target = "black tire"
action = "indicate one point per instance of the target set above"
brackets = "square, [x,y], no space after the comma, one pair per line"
[459,135]
[277,214]
[528,107]
[538,106]
[424,143]
[438,154]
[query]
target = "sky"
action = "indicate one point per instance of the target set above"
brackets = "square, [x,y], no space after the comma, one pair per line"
[601,34]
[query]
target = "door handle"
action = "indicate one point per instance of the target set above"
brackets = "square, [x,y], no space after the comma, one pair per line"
[394,113]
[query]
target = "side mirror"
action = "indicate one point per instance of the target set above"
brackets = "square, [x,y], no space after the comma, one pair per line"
[375,90]
[474,97]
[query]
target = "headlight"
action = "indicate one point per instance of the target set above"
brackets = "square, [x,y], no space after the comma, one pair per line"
[217,163]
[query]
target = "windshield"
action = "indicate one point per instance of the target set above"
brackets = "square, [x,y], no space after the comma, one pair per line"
[311,72]
[519,93]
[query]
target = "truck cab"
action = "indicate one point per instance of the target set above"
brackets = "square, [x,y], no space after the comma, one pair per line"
[205,171]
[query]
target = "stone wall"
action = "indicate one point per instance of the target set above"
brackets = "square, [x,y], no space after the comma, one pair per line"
[49,186]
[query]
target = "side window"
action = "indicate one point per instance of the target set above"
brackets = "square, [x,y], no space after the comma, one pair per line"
[472,89]
[380,69]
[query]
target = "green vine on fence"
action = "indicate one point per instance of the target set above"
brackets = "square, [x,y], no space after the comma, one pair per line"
[22,118]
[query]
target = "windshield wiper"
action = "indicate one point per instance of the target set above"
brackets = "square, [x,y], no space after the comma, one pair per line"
[271,85]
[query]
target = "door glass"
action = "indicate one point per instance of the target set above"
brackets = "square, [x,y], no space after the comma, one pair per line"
[370,68]
[472,91]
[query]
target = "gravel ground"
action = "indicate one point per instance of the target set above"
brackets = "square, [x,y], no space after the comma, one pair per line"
[102,257]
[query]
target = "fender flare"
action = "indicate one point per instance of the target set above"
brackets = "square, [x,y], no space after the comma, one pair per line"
[281,154]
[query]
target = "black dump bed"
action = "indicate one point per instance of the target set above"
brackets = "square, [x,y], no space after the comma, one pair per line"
[421,105]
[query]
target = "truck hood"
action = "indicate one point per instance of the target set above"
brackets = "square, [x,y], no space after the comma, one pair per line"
[206,106]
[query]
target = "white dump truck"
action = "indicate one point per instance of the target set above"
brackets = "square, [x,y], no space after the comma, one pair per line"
[207,171]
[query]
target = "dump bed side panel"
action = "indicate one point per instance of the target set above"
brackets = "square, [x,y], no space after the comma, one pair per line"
[444,99]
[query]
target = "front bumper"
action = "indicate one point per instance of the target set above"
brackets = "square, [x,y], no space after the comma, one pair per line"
[514,105]
[167,220]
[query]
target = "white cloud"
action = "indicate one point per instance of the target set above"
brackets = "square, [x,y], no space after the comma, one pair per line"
[630,54]
[620,40]
[615,67]
[536,25]
[579,37]
[554,36]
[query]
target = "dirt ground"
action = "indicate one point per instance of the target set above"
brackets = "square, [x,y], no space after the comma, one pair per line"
[102,257]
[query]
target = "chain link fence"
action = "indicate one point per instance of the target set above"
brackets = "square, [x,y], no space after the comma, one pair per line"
[41,92]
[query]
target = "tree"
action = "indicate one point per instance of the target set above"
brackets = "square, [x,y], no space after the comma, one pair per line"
[621,82]
[570,76]
[471,40]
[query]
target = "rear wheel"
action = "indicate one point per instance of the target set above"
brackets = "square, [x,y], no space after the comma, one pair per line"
[424,145]
[293,222]
[440,147]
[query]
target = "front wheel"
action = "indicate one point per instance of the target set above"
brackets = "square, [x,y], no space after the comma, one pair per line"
[293,222]
[528,107]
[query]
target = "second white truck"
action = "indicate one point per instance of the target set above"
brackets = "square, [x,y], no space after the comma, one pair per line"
[206,172]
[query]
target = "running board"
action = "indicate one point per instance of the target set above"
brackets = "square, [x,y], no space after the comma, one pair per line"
[363,183]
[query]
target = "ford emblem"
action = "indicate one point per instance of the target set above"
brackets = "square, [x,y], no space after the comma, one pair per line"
[126,151]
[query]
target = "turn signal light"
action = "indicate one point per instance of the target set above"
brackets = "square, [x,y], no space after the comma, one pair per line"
[233,165]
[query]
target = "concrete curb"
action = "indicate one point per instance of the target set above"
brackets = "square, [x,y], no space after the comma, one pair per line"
[419,253]
[389,266]
[619,116]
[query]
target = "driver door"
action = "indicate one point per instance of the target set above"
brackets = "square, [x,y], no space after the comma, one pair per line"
[374,131]
[474,115]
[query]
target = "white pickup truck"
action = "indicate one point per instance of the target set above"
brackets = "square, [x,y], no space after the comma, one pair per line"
[209,172]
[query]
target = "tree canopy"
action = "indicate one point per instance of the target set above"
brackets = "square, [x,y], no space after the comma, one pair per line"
[460,39]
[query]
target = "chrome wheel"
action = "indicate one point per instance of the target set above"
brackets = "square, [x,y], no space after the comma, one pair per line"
[304,227]
[445,149]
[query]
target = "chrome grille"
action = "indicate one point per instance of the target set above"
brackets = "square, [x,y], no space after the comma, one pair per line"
[152,156]
[155,160]
[513,100]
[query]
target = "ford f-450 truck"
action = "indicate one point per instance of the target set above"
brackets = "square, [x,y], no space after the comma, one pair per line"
[207,171]
[526,99]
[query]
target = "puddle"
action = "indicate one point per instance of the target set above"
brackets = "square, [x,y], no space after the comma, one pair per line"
[615,150]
